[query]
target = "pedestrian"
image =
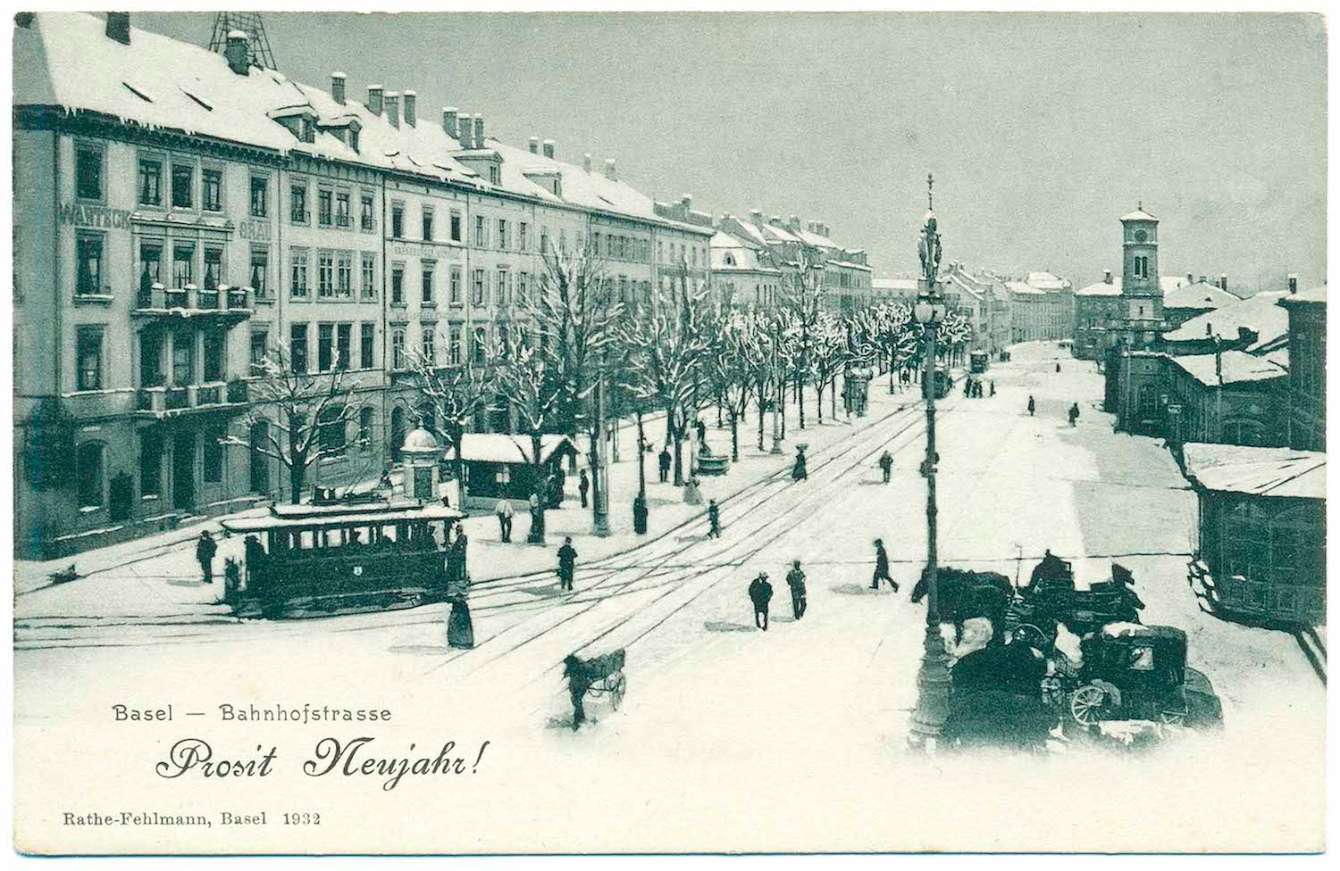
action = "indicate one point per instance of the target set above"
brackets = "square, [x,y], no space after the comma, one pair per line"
[579,681]
[504,511]
[583,486]
[567,564]
[459,549]
[701,428]
[713,519]
[795,579]
[536,533]
[993,387]
[760,593]
[663,463]
[967,388]
[800,471]
[1032,406]
[1073,413]
[205,548]
[886,465]
[882,567]
[1058,367]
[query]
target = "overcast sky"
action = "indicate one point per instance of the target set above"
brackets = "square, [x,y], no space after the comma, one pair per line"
[1041,129]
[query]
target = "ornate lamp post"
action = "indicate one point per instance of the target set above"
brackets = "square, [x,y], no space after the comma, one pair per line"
[929,311]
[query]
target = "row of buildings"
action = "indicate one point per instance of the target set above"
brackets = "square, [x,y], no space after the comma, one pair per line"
[1237,388]
[181,213]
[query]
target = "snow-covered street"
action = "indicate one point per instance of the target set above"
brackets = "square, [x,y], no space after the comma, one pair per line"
[823,701]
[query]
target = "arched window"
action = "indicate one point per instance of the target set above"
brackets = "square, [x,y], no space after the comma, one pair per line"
[332,430]
[365,426]
[90,474]
[730,259]
[397,432]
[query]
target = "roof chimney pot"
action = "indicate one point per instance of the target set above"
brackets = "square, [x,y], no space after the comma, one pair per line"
[1293,282]
[337,87]
[586,161]
[610,172]
[374,102]
[237,50]
[479,131]
[393,108]
[449,114]
[411,110]
[549,148]
[1223,281]
[534,145]
[1107,276]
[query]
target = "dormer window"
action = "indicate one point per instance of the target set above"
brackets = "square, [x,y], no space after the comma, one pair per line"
[353,138]
[494,175]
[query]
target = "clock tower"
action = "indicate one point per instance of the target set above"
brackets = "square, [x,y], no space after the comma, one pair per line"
[1141,306]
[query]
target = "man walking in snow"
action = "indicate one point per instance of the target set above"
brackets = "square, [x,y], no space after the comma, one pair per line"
[795,579]
[1032,406]
[1073,413]
[205,548]
[583,487]
[760,593]
[882,567]
[886,465]
[713,519]
[504,511]
[567,564]
[663,464]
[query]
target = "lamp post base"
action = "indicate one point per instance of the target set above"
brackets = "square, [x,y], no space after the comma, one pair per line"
[932,691]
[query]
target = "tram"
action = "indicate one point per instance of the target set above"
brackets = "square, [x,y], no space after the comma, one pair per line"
[307,560]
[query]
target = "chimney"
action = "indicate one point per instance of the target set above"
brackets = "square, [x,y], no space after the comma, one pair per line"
[1202,279]
[1107,276]
[586,161]
[549,148]
[687,202]
[1223,281]
[118,27]
[374,103]
[337,87]
[1208,330]
[775,221]
[1190,279]
[794,223]
[1293,282]
[479,131]
[756,216]
[393,108]
[449,120]
[238,52]
[609,169]
[1219,362]
[411,112]
[535,145]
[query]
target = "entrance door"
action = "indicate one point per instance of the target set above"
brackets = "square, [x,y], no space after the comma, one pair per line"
[183,470]
[260,463]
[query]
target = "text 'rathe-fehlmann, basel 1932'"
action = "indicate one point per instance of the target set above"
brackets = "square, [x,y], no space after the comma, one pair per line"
[349,757]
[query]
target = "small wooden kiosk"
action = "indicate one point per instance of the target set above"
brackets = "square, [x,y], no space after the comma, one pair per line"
[500,466]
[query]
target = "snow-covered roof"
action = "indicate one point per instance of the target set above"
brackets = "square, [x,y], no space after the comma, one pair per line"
[1316,294]
[1261,314]
[1047,281]
[1234,367]
[731,253]
[1257,471]
[1167,283]
[1138,215]
[503,448]
[1023,288]
[353,514]
[898,286]
[1200,295]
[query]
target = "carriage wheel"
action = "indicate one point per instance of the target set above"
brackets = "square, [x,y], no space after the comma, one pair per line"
[1172,717]
[1087,703]
[617,685]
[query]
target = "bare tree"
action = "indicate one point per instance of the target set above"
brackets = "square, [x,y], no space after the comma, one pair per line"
[803,303]
[525,379]
[456,393]
[310,410]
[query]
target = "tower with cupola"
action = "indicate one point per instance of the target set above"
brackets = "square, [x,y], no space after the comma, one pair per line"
[1141,308]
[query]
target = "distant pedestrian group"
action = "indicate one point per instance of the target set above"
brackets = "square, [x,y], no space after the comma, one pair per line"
[760,595]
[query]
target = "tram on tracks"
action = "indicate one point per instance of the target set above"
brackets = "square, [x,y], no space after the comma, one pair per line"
[308,560]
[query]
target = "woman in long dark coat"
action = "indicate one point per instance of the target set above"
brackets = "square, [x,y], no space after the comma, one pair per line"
[460,628]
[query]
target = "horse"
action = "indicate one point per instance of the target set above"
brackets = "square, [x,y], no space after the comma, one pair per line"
[965,594]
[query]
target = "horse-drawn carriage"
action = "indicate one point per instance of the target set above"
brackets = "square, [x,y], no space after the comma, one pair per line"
[599,676]
[1051,600]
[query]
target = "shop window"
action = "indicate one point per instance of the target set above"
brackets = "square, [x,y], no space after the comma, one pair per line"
[151,463]
[90,474]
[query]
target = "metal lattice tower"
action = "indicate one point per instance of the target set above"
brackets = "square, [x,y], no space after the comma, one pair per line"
[253,26]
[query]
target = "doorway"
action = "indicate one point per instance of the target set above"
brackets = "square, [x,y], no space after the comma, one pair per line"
[183,470]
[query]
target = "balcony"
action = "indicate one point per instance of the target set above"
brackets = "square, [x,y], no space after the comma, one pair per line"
[221,303]
[164,402]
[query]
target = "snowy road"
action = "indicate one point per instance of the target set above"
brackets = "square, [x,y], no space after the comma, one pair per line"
[728,721]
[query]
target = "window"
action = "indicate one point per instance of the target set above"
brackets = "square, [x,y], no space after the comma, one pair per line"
[398,349]
[367,275]
[258,276]
[427,285]
[298,276]
[213,268]
[324,212]
[325,347]
[88,465]
[183,186]
[366,346]
[297,208]
[365,426]
[151,182]
[343,217]
[522,236]
[397,284]
[429,343]
[183,359]
[455,226]
[88,172]
[502,287]
[151,270]
[151,357]
[215,352]
[151,462]
[325,274]
[211,190]
[332,430]
[397,220]
[481,232]
[345,274]
[298,348]
[544,240]
[455,285]
[495,174]
[595,243]
[480,348]
[427,223]
[344,350]
[563,240]
[259,349]
[183,264]
[502,233]
[88,352]
[478,288]
[88,250]
[260,196]
[365,213]
[454,331]
[522,280]
[212,454]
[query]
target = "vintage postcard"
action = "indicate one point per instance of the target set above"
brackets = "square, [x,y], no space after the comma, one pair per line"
[404,462]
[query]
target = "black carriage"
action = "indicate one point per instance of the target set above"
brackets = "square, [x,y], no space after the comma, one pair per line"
[1134,672]
[304,560]
[1050,599]
[599,676]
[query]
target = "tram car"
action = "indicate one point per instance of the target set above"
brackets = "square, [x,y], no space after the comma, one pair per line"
[978,362]
[308,560]
[941,380]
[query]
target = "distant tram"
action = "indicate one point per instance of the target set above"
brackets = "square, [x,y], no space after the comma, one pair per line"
[942,383]
[978,362]
[344,557]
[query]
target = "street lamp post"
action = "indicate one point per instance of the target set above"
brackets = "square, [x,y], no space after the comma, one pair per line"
[933,677]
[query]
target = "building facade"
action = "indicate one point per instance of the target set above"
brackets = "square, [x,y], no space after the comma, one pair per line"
[1307,369]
